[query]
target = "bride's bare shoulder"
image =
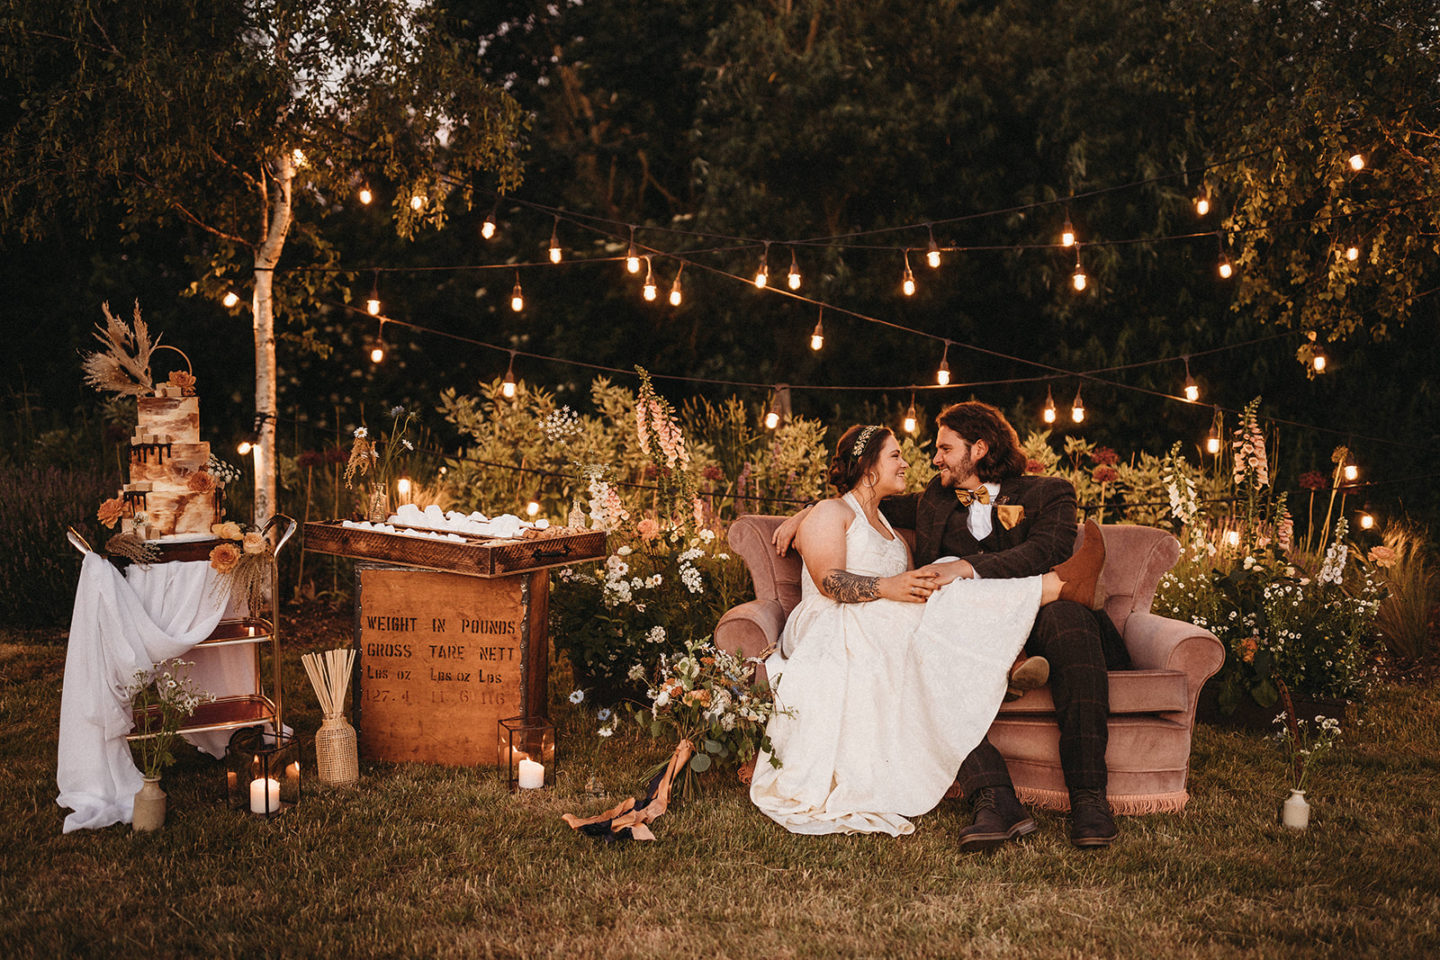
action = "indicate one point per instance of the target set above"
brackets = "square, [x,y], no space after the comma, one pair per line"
[830,512]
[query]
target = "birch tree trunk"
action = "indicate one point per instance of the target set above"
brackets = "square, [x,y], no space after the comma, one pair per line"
[263,310]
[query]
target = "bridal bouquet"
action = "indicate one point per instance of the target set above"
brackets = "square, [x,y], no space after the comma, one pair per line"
[708,698]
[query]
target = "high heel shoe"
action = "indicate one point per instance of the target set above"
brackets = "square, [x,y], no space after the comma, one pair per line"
[1027,674]
[1080,575]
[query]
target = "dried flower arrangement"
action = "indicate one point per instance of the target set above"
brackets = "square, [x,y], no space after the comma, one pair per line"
[244,559]
[123,367]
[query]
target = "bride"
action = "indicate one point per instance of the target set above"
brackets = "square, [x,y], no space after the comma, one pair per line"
[888,676]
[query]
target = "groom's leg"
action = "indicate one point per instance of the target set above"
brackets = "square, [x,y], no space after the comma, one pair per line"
[1065,634]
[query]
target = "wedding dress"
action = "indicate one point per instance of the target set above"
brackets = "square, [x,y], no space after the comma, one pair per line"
[884,699]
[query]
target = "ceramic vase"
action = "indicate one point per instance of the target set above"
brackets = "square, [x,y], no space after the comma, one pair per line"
[1295,812]
[149,813]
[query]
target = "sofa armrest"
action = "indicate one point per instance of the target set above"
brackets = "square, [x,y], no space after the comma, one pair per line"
[751,628]
[1161,643]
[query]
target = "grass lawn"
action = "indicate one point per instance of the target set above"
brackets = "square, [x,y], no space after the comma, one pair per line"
[434,861]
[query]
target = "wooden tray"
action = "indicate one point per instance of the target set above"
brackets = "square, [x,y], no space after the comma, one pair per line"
[477,556]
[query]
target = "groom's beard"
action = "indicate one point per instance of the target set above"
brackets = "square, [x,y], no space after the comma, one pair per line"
[950,479]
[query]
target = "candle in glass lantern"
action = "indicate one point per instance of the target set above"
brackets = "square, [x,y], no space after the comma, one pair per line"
[264,795]
[532,774]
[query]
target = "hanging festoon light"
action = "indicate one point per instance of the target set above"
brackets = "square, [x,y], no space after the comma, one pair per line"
[907,279]
[762,273]
[372,305]
[487,229]
[912,422]
[942,375]
[1367,520]
[507,385]
[1357,162]
[377,349]
[779,398]
[402,487]
[676,296]
[230,299]
[1224,267]
[555,253]
[632,256]
[932,251]
[1212,441]
[1049,413]
[793,277]
[1078,280]
[1077,407]
[1202,205]
[1319,360]
[817,336]
[649,290]
[1192,389]
[417,202]
[366,195]
[1352,253]
[1067,232]
[532,506]
[517,296]
[1350,472]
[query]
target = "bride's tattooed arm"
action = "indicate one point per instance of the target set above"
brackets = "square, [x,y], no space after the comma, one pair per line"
[849,587]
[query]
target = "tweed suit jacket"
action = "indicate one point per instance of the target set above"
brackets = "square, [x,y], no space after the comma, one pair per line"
[1041,537]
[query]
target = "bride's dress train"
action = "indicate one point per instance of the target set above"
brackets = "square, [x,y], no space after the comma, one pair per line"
[885,698]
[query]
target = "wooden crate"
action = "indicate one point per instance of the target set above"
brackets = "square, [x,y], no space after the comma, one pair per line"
[443,657]
[476,556]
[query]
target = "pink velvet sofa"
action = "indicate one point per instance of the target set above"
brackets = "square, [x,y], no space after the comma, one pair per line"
[1152,706]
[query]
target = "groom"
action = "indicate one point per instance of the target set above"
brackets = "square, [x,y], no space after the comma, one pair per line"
[1021,526]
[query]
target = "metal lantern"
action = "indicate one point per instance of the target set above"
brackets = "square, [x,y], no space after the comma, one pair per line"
[526,752]
[262,771]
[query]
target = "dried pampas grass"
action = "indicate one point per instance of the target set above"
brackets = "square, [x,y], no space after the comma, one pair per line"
[123,367]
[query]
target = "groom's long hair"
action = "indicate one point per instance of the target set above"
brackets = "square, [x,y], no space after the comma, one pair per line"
[974,420]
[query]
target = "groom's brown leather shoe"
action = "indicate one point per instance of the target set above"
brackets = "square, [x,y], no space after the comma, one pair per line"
[998,817]
[1081,573]
[1091,823]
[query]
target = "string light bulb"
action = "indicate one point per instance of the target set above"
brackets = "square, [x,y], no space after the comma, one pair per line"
[762,274]
[402,487]
[1192,389]
[517,297]
[365,195]
[1367,520]
[231,298]
[1067,233]
[676,296]
[649,289]
[1049,413]
[417,201]
[907,281]
[942,375]
[1350,472]
[1202,205]
[555,253]
[1352,253]
[533,506]
[1079,281]
[932,252]
[377,349]
[1225,268]
[487,229]
[1318,360]
[1077,407]
[298,157]
[1212,441]
[632,259]
[772,415]
[817,336]
[507,385]
[1357,162]
[245,446]
[912,422]
[793,277]
[372,305]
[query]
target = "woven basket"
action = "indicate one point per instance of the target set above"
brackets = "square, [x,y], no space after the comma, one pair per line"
[337,757]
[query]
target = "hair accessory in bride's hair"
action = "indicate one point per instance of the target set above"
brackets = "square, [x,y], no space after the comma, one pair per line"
[863,439]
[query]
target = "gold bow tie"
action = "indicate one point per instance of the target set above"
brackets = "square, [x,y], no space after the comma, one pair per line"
[966,497]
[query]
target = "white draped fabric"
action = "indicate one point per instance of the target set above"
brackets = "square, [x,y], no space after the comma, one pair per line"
[885,698]
[124,623]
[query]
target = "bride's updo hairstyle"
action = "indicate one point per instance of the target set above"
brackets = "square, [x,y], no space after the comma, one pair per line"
[856,455]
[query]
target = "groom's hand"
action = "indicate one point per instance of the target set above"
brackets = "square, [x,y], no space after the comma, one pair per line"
[944,573]
[785,533]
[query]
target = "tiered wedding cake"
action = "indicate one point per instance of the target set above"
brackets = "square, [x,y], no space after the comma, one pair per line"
[170,487]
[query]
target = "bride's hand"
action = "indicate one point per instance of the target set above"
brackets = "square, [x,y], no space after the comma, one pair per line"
[946,572]
[912,586]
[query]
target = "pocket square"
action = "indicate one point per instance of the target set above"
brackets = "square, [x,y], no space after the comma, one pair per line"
[1010,514]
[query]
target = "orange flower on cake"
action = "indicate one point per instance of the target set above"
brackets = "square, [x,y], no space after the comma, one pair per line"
[224,557]
[254,543]
[111,511]
[185,381]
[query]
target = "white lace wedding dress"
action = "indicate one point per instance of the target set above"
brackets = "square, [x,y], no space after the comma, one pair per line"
[885,698]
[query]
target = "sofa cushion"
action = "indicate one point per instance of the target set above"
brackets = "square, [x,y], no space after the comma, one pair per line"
[1131,691]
